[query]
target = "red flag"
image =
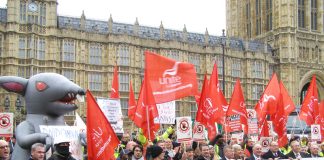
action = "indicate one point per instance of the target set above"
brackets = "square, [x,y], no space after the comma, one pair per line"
[212,130]
[170,79]
[320,118]
[265,129]
[309,104]
[131,103]
[237,107]
[204,112]
[287,103]
[146,111]
[115,85]
[285,107]
[269,99]
[216,98]
[102,139]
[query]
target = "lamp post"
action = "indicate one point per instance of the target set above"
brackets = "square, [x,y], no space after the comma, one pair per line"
[223,58]
[7,104]
[18,104]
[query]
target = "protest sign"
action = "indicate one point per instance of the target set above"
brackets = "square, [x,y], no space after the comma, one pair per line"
[233,123]
[238,137]
[112,110]
[198,132]
[6,124]
[316,132]
[166,113]
[252,122]
[184,129]
[65,134]
[265,143]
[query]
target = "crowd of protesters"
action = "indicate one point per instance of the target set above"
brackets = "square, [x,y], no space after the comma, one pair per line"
[165,147]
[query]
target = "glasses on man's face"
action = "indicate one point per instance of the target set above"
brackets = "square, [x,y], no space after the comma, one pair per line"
[137,150]
[2,147]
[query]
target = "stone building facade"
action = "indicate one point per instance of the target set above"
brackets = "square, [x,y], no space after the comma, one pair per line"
[293,29]
[34,39]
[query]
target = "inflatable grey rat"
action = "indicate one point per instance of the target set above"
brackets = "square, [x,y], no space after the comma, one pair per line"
[48,97]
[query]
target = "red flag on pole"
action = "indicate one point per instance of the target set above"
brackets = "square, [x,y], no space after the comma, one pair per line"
[268,101]
[102,139]
[211,129]
[309,104]
[204,113]
[216,98]
[279,119]
[115,85]
[131,103]
[170,79]
[237,107]
[320,118]
[146,111]
[265,129]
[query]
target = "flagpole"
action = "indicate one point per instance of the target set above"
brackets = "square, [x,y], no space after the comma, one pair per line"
[225,126]
[148,123]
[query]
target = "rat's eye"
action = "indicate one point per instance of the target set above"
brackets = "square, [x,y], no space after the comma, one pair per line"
[41,86]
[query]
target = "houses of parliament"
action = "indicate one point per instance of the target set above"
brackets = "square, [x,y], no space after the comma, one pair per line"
[262,37]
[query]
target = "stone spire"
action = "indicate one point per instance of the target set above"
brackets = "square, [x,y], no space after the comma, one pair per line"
[206,37]
[82,21]
[161,31]
[184,33]
[110,24]
[136,27]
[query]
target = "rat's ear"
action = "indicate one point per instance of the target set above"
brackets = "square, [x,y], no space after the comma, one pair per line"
[14,84]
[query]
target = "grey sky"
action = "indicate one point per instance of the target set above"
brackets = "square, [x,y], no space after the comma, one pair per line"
[174,14]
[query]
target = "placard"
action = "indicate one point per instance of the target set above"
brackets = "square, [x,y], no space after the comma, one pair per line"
[265,143]
[198,132]
[252,122]
[184,129]
[316,132]
[65,134]
[112,110]
[166,113]
[6,124]
[238,137]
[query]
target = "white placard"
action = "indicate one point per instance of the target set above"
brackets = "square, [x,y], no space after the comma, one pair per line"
[198,132]
[265,143]
[316,132]
[166,113]
[65,134]
[112,110]
[238,137]
[252,122]
[184,129]
[6,124]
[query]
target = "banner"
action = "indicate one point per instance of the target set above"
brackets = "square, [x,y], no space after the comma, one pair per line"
[184,129]
[265,143]
[65,134]
[112,110]
[6,124]
[166,113]
[316,132]
[233,123]
[252,122]
[198,132]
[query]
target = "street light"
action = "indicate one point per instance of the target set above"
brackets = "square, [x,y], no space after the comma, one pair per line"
[18,104]
[7,104]
[223,58]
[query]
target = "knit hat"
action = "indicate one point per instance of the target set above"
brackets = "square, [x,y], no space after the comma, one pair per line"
[156,151]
